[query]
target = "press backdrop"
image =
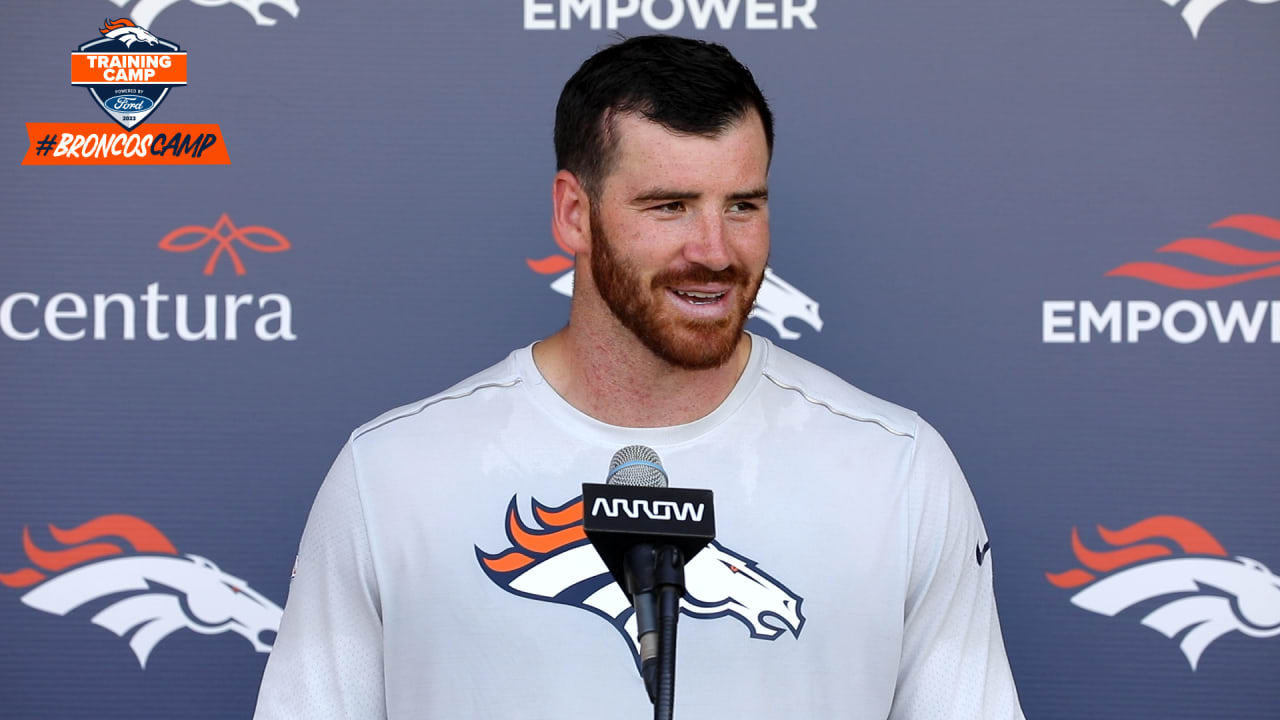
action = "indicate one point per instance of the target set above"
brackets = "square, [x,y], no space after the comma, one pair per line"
[961,194]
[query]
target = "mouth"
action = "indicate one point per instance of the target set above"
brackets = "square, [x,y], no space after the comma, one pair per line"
[696,297]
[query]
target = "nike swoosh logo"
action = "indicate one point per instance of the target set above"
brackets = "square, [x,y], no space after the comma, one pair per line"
[982,552]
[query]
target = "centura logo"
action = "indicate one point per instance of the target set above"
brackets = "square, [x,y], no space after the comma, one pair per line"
[552,560]
[666,15]
[128,71]
[1183,320]
[1177,565]
[777,301]
[130,575]
[146,11]
[71,316]
[1195,12]
[224,233]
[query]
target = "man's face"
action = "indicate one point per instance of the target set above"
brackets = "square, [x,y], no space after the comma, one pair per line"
[680,237]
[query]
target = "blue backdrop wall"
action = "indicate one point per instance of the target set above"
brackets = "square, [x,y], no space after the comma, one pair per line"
[1051,228]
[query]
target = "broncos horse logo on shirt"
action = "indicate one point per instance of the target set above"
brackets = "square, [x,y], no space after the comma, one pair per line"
[1200,590]
[553,561]
[150,592]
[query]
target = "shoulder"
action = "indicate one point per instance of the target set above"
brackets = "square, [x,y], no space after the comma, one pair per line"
[457,399]
[827,392]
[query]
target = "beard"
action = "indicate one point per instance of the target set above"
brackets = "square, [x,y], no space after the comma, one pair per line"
[690,344]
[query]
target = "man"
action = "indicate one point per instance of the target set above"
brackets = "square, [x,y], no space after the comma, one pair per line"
[443,572]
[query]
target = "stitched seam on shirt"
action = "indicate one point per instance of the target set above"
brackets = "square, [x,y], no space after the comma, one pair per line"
[456,396]
[836,411]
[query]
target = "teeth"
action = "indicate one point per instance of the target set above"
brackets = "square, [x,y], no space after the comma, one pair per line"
[700,295]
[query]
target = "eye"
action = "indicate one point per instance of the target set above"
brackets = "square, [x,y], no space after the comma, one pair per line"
[742,207]
[672,207]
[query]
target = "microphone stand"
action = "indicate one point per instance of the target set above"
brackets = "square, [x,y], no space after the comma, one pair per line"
[669,580]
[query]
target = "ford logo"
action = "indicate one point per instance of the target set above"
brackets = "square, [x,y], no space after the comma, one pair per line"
[129,103]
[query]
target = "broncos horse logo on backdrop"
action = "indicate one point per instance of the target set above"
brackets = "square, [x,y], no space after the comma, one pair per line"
[128,33]
[1178,565]
[150,591]
[777,301]
[145,12]
[1195,12]
[553,561]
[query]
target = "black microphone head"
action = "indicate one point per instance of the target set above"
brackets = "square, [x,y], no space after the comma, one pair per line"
[636,465]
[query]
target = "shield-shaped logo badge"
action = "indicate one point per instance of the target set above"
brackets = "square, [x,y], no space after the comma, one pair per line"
[128,71]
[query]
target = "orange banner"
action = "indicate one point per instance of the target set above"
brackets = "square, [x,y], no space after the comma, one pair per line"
[109,144]
[141,68]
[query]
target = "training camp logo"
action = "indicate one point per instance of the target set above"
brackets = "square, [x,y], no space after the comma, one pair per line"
[667,15]
[1195,12]
[145,12]
[1174,565]
[128,71]
[1184,320]
[553,561]
[71,316]
[140,587]
[777,301]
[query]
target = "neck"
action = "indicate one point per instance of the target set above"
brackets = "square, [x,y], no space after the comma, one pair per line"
[610,375]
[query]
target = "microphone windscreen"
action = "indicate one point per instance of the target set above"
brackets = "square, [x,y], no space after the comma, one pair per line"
[638,466]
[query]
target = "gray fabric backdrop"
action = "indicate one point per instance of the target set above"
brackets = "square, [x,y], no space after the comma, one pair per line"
[942,171]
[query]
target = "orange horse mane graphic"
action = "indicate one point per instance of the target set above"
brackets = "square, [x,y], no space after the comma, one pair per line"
[138,533]
[561,527]
[1187,535]
[109,25]
[552,263]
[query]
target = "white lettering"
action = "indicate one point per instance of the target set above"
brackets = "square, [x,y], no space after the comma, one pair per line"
[1091,318]
[1181,321]
[1198,321]
[663,15]
[803,13]
[614,11]
[652,20]
[210,329]
[1056,326]
[532,9]
[273,321]
[756,8]
[700,12]
[234,303]
[657,510]
[284,315]
[100,303]
[53,313]
[6,316]
[1141,316]
[1249,326]
[579,9]
[152,300]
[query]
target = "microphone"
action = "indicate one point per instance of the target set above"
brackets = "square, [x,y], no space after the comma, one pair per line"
[645,532]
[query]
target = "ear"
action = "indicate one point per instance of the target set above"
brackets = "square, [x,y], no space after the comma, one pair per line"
[570,213]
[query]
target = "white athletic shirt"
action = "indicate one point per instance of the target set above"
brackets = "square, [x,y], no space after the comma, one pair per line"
[443,574]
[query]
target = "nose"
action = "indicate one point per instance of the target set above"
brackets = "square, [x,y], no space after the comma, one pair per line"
[710,247]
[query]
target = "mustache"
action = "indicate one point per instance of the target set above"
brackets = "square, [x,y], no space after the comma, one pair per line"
[732,275]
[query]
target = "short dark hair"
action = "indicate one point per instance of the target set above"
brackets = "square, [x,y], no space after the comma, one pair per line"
[688,86]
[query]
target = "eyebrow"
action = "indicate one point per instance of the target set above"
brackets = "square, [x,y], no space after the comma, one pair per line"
[665,194]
